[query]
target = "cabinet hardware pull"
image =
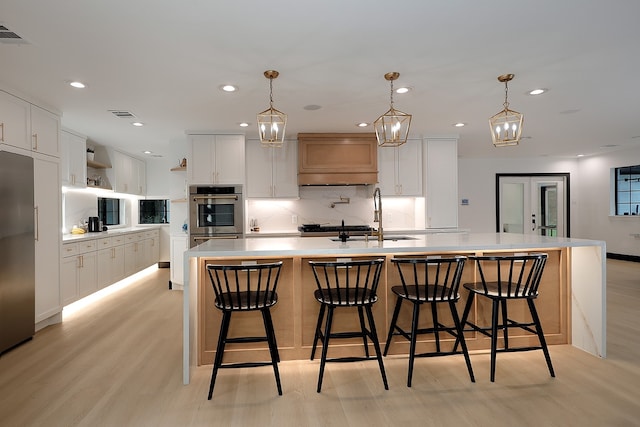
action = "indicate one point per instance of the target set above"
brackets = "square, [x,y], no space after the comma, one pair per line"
[2,127]
[35,138]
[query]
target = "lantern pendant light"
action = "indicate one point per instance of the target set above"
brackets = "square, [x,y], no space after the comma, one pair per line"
[392,128]
[271,122]
[506,126]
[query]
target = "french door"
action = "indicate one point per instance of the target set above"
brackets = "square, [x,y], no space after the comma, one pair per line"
[533,204]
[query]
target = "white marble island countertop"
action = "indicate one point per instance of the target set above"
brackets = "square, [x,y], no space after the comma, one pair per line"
[292,246]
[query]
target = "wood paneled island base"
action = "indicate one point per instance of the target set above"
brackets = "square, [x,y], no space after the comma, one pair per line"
[295,314]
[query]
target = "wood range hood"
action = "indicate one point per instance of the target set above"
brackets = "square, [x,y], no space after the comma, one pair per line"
[337,159]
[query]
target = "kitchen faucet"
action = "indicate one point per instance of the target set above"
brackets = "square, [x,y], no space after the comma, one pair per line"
[377,212]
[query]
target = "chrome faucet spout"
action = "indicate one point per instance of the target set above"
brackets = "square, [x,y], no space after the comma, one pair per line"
[377,212]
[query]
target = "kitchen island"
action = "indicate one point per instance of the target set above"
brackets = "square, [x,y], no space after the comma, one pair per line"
[571,302]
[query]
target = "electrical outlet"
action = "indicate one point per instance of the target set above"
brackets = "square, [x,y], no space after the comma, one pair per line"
[294,219]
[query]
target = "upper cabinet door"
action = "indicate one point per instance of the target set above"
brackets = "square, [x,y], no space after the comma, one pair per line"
[45,132]
[73,160]
[200,164]
[216,159]
[259,170]
[285,170]
[401,169]
[229,159]
[14,121]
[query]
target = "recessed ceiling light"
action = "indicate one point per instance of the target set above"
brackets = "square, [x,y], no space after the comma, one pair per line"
[403,89]
[312,107]
[243,124]
[137,124]
[77,85]
[459,124]
[147,152]
[229,88]
[580,155]
[363,125]
[539,91]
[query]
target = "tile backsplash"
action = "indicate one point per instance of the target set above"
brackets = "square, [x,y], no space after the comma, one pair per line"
[315,207]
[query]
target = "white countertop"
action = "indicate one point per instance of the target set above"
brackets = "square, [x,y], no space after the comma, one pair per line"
[111,232]
[292,246]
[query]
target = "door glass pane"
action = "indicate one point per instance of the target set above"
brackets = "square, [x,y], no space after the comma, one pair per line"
[548,194]
[512,208]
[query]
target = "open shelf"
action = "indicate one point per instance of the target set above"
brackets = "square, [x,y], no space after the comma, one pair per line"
[97,165]
[179,168]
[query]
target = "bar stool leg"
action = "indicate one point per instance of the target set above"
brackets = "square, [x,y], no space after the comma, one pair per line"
[318,331]
[465,316]
[460,337]
[505,323]
[436,328]
[325,346]
[273,350]
[222,339]
[543,342]
[364,331]
[494,337]
[392,328]
[414,337]
[376,345]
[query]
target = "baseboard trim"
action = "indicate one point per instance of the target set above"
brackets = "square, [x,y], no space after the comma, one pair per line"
[632,258]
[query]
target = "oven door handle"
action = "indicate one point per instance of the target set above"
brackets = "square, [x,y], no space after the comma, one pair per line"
[214,237]
[217,197]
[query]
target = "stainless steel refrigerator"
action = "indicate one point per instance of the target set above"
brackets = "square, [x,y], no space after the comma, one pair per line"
[17,250]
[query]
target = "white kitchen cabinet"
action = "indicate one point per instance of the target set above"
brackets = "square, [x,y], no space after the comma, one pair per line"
[216,159]
[441,182]
[110,265]
[272,172]
[78,270]
[45,132]
[128,174]
[179,244]
[132,255]
[400,169]
[73,159]
[47,237]
[15,118]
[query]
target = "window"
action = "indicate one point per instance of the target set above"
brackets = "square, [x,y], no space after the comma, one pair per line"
[153,212]
[109,211]
[627,180]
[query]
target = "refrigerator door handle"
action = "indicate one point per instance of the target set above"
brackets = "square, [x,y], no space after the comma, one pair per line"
[37,224]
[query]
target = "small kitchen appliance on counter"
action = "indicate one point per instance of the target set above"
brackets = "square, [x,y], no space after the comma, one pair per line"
[94,224]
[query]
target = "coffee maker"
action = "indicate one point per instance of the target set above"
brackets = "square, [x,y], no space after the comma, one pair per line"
[94,224]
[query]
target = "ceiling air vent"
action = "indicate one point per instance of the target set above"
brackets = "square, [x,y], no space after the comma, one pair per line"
[123,114]
[8,36]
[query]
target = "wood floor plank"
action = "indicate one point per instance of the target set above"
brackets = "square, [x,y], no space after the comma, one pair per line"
[118,363]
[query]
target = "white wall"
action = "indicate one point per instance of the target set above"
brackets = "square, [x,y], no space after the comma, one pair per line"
[477,183]
[594,220]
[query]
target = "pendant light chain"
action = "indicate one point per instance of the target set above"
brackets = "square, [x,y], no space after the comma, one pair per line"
[506,93]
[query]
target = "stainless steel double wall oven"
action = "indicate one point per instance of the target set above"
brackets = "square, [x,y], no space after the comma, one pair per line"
[215,212]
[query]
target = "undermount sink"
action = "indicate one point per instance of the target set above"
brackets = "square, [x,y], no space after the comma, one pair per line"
[373,238]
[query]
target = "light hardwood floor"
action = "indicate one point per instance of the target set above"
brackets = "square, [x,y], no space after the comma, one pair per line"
[118,363]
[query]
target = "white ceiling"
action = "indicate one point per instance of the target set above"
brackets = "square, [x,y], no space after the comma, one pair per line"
[165,60]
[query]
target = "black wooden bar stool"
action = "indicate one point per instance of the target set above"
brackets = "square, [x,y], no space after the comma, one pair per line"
[344,284]
[502,279]
[429,281]
[245,288]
